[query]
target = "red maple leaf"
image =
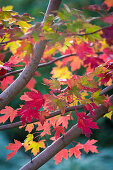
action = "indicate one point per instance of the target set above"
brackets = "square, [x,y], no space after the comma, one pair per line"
[33,102]
[59,130]
[93,61]
[88,146]
[2,72]
[6,81]
[82,49]
[60,155]
[76,151]
[13,146]
[108,34]
[85,123]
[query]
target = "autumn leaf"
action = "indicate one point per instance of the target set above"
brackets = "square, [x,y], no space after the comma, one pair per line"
[52,102]
[8,112]
[59,130]
[107,34]
[60,155]
[33,99]
[34,146]
[6,81]
[45,128]
[61,72]
[31,84]
[15,147]
[88,146]
[53,83]
[109,3]
[85,123]
[29,127]
[76,151]
[64,120]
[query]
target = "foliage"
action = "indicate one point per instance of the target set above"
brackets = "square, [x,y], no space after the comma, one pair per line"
[80,43]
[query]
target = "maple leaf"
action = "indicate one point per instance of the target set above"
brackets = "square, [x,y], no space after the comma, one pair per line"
[60,155]
[85,123]
[88,146]
[2,72]
[29,127]
[59,130]
[13,146]
[52,102]
[24,51]
[93,61]
[6,81]
[37,99]
[76,151]
[34,146]
[61,72]
[33,99]
[28,113]
[53,83]
[109,3]
[64,120]
[8,112]
[42,116]
[31,83]
[45,127]
[82,49]
[108,34]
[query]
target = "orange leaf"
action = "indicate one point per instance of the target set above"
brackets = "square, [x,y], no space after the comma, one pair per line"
[88,146]
[60,155]
[31,83]
[6,81]
[13,146]
[76,151]
[109,3]
[8,112]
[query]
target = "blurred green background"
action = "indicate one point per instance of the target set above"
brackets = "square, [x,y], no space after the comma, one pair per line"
[101,161]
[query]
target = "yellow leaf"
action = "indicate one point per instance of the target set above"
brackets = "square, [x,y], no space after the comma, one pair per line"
[35,147]
[108,115]
[12,46]
[24,25]
[61,72]
[7,8]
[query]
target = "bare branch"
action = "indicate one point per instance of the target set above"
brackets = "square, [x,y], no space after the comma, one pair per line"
[105,90]
[62,142]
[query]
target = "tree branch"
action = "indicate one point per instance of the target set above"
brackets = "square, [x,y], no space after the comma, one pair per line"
[105,90]
[40,65]
[52,114]
[16,124]
[62,142]
[8,94]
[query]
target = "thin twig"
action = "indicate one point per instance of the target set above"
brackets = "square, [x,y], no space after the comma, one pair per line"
[40,65]
[61,142]
[52,114]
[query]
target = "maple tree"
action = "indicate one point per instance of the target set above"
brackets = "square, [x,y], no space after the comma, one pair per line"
[81,43]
